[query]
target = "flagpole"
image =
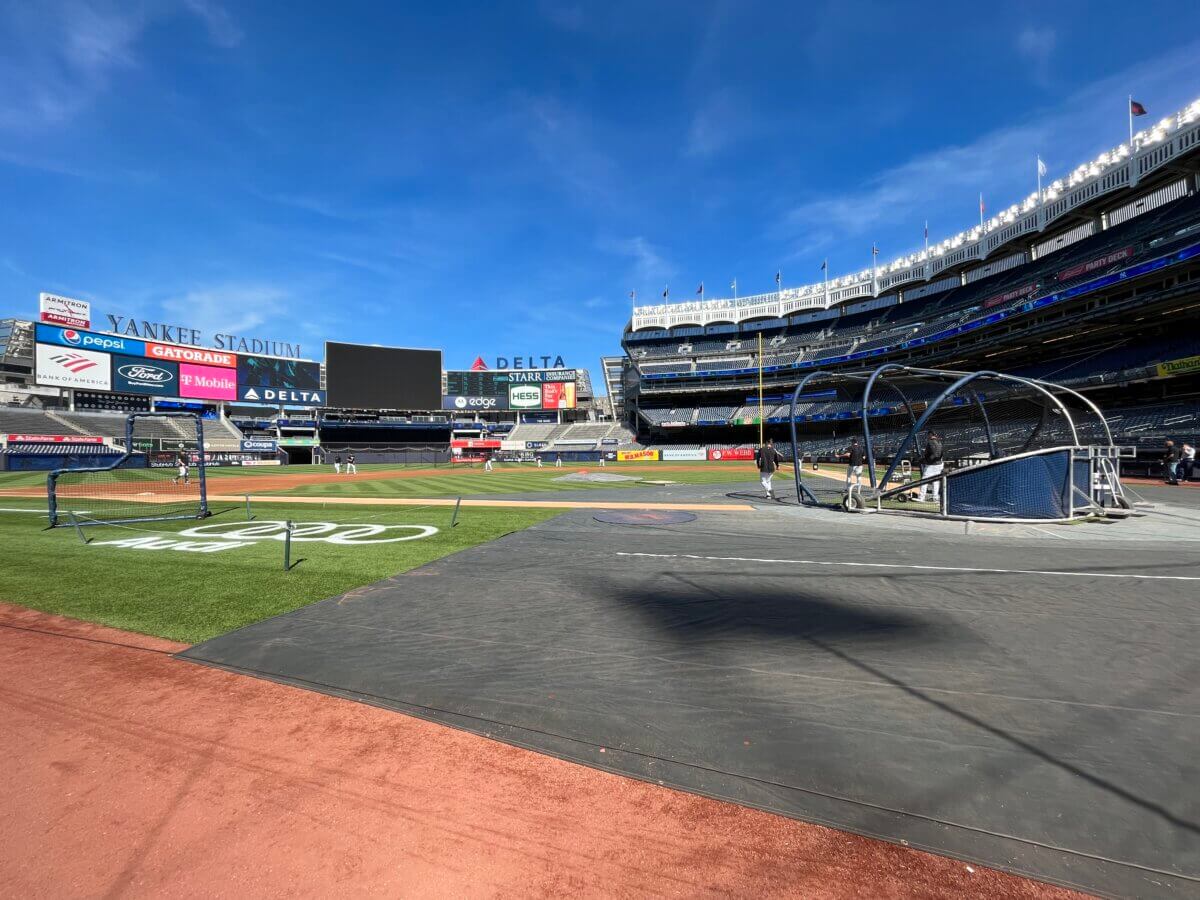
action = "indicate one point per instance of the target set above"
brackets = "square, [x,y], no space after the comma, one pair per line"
[981,210]
[1039,174]
[760,390]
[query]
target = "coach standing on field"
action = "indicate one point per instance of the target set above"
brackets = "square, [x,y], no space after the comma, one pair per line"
[931,464]
[767,459]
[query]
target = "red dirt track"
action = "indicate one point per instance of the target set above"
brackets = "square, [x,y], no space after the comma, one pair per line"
[130,773]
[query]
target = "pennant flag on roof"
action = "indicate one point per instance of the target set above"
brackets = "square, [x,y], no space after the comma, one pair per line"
[1136,109]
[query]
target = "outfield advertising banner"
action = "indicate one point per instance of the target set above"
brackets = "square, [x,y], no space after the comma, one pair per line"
[89,340]
[64,311]
[194,355]
[206,382]
[259,445]
[64,367]
[459,401]
[525,396]
[138,375]
[1183,366]
[53,439]
[637,455]
[280,395]
[737,453]
[672,454]
[558,395]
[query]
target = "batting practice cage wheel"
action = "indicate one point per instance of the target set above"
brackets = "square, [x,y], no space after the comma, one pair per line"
[1012,448]
[144,483]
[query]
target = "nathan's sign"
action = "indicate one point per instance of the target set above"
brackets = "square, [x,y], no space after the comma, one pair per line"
[1184,366]
[182,334]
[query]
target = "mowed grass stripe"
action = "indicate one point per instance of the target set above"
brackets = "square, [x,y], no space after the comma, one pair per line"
[188,596]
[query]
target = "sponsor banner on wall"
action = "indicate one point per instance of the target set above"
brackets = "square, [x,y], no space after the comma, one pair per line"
[58,366]
[610,441]
[280,395]
[1093,264]
[1184,366]
[475,444]
[525,396]
[53,439]
[1023,291]
[194,355]
[64,311]
[299,442]
[89,340]
[536,445]
[512,445]
[677,454]
[636,455]
[738,453]
[459,401]
[206,382]
[139,375]
[262,462]
[558,395]
[259,445]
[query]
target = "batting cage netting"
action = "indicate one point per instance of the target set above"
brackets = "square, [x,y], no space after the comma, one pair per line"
[160,475]
[917,432]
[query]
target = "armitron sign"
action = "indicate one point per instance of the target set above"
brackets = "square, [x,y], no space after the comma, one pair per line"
[64,311]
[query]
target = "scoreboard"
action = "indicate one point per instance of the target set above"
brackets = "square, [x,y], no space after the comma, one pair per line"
[510,389]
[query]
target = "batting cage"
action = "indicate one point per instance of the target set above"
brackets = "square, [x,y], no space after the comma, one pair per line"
[160,475]
[965,445]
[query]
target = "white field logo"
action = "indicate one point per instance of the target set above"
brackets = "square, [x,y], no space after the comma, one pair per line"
[218,536]
[341,533]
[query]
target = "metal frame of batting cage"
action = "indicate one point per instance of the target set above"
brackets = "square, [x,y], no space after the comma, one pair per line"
[52,478]
[955,381]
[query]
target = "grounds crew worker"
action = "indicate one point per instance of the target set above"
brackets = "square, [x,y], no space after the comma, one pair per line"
[767,458]
[854,456]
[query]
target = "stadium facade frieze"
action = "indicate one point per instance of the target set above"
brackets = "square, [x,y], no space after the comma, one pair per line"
[183,334]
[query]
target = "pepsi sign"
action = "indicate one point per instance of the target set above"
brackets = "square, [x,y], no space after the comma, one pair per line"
[89,340]
[139,375]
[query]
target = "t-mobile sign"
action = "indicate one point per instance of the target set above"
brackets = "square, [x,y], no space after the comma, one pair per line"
[207,382]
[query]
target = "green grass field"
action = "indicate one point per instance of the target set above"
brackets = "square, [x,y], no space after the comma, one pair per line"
[510,478]
[190,596]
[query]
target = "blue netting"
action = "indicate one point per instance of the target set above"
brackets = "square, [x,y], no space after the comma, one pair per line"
[1029,487]
[1082,472]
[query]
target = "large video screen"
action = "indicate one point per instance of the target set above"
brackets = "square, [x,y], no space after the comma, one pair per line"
[362,377]
[271,371]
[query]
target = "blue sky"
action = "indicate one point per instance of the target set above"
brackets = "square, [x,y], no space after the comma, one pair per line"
[495,178]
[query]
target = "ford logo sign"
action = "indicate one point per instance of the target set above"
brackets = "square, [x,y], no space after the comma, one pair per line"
[143,374]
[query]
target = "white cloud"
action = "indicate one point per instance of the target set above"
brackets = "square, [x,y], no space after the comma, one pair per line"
[648,265]
[57,59]
[1036,47]
[943,184]
[231,308]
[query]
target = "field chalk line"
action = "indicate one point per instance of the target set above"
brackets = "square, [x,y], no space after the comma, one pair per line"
[869,565]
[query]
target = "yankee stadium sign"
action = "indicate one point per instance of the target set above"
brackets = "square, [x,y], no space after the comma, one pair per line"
[181,334]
